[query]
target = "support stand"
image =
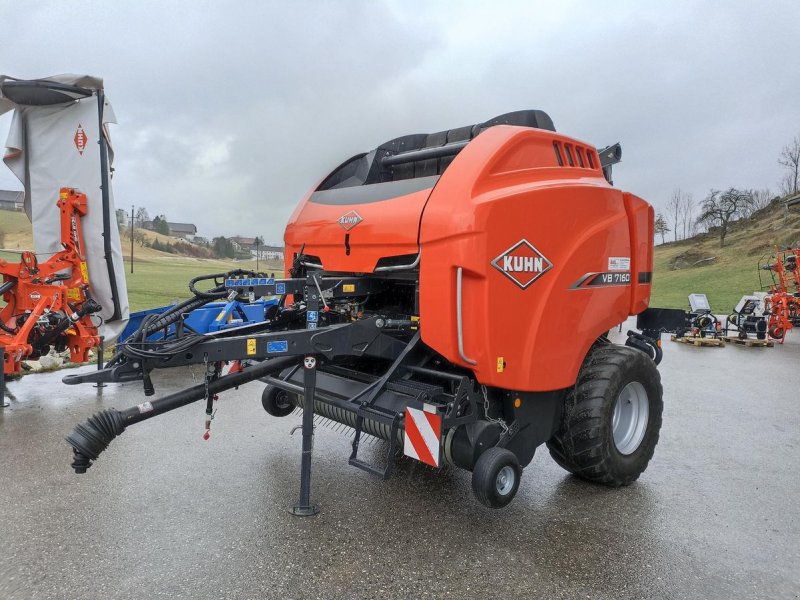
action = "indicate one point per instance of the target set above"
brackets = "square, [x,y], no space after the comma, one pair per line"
[3,402]
[304,508]
[100,356]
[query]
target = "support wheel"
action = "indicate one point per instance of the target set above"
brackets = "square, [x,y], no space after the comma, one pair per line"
[276,402]
[612,417]
[495,478]
[776,333]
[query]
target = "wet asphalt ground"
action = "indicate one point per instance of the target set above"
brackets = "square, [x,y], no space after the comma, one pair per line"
[163,514]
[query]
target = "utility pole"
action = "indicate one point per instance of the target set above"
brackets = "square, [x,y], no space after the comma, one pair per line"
[132,228]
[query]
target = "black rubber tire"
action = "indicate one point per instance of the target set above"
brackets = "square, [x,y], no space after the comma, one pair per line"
[777,333]
[276,402]
[485,473]
[584,444]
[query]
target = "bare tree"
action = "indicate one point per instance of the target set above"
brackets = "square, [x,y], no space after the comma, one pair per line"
[687,216]
[720,208]
[141,217]
[790,160]
[661,226]
[761,198]
[674,209]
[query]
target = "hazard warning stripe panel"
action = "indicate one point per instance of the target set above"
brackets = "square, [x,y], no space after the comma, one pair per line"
[423,437]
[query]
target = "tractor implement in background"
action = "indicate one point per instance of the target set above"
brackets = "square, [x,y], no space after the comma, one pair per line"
[782,303]
[49,304]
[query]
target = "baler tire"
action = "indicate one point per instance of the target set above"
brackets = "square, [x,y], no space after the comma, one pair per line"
[276,402]
[487,485]
[584,444]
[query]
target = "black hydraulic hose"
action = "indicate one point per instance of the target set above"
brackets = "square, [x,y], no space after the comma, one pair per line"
[153,323]
[87,308]
[90,438]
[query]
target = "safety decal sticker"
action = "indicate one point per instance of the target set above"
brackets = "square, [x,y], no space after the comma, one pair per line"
[619,263]
[423,437]
[309,362]
[522,263]
[312,316]
[145,407]
[280,288]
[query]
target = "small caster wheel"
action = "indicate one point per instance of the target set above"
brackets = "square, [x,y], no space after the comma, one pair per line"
[495,478]
[777,333]
[276,402]
[742,335]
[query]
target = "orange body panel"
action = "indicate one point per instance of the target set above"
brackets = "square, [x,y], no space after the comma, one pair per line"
[505,188]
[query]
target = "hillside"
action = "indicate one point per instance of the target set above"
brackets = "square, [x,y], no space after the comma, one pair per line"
[158,278]
[733,270]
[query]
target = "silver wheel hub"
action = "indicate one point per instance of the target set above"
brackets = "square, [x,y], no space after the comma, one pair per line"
[506,478]
[631,415]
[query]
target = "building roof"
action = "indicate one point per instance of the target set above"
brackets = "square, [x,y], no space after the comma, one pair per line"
[244,241]
[272,248]
[12,196]
[182,227]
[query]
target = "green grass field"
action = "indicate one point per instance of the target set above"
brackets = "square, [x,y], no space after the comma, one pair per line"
[734,271]
[160,281]
[161,278]
[158,278]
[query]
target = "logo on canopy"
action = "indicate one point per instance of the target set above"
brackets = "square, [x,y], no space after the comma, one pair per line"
[80,139]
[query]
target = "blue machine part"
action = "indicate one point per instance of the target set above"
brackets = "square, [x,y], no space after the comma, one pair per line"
[214,316]
[277,346]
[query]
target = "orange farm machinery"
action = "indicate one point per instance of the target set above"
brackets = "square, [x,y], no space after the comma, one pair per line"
[49,304]
[782,303]
[452,294]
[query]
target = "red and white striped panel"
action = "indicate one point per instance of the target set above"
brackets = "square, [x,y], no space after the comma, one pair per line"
[423,437]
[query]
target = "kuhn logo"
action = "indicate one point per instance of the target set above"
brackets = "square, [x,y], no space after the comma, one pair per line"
[522,263]
[81,141]
[349,220]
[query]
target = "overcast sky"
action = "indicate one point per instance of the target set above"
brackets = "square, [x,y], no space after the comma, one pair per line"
[228,112]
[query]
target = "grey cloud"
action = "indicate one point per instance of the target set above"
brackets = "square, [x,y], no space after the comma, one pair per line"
[229,112]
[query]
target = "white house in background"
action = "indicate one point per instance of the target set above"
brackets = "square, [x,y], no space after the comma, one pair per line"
[11,200]
[182,230]
[270,252]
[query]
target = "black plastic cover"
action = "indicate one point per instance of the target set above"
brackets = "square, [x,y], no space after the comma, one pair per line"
[368,168]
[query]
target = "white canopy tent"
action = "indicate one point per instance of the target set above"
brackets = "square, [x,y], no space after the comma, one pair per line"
[56,140]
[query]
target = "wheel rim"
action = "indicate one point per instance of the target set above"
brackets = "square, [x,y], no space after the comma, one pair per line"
[631,414]
[505,480]
[282,400]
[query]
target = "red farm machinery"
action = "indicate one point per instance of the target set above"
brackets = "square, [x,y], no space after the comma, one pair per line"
[49,304]
[452,294]
[782,303]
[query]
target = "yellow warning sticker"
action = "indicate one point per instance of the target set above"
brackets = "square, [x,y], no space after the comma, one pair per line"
[84,271]
[251,346]
[349,287]
[501,364]
[73,294]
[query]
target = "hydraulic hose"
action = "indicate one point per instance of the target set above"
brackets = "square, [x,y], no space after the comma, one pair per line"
[90,438]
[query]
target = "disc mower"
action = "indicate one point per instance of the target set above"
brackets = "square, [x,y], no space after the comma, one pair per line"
[49,304]
[450,293]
